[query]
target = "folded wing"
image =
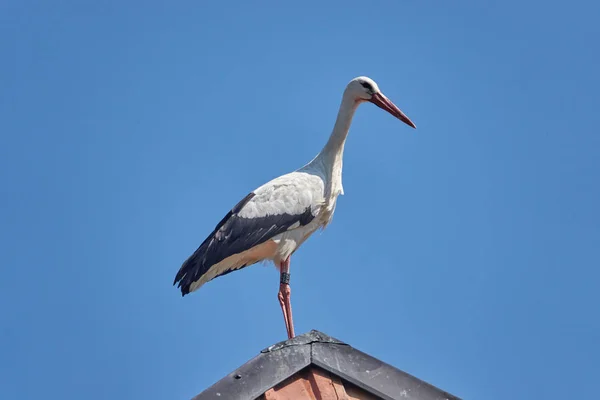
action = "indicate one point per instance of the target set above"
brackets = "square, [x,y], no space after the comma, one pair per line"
[286,203]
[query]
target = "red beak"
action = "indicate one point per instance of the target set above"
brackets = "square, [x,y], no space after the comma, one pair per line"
[384,103]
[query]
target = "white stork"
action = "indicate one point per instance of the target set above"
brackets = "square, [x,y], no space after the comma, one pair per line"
[273,221]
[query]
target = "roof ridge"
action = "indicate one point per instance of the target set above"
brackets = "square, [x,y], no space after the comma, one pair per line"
[313,336]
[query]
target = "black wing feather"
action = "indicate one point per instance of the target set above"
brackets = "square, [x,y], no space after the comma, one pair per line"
[233,235]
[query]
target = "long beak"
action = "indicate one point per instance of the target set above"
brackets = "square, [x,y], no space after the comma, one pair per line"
[386,104]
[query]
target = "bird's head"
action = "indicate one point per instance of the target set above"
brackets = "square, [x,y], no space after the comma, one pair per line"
[363,88]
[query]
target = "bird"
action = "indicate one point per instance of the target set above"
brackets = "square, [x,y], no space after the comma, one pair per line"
[273,221]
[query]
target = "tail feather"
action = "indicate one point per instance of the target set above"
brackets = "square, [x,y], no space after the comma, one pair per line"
[193,268]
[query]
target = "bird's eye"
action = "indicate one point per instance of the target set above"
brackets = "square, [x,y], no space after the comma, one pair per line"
[367,86]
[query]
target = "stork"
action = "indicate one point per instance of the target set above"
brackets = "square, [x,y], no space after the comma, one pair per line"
[273,221]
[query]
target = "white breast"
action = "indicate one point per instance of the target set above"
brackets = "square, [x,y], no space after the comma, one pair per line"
[316,183]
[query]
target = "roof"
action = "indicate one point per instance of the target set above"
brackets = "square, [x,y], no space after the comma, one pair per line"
[316,350]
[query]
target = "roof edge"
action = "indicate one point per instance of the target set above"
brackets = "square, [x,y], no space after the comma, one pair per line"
[271,366]
[373,375]
[278,362]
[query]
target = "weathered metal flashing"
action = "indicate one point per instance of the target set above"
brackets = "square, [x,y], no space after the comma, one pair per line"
[313,336]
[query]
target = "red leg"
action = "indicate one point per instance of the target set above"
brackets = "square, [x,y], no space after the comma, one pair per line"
[281,297]
[284,297]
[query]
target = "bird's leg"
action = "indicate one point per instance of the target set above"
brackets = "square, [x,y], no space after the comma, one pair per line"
[280,296]
[284,296]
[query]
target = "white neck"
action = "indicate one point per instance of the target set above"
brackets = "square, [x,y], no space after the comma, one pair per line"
[328,163]
[334,148]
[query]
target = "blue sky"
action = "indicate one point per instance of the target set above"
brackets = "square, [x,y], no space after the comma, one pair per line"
[465,253]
